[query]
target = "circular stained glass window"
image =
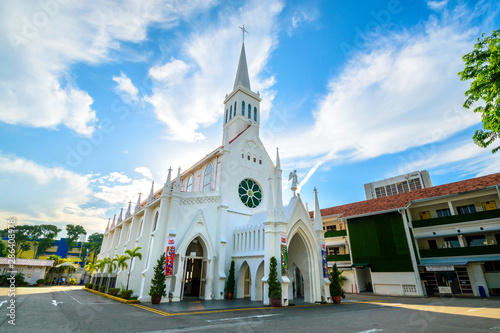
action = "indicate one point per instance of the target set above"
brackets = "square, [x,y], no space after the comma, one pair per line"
[250,193]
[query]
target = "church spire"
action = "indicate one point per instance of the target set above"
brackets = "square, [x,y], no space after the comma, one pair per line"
[151,197]
[318,221]
[138,205]
[242,71]
[128,213]
[279,210]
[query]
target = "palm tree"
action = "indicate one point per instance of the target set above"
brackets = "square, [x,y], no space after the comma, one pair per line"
[121,261]
[101,264]
[133,253]
[55,270]
[111,267]
[91,268]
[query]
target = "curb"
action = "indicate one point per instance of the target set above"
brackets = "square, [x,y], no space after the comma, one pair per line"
[127,301]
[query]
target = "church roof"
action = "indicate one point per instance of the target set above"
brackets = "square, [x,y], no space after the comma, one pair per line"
[397,201]
[242,71]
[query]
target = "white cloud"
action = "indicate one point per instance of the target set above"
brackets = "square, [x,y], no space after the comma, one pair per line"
[205,71]
[121,194]
[402,92]
[45,38]
[298,19]
[125,87]
[437,5]
[144,171]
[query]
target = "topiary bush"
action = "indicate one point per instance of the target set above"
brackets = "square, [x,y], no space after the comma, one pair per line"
[335,281]
[229,287]
[274,290]
[158,287]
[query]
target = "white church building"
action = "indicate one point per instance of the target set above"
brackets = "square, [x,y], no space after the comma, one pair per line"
[227,206]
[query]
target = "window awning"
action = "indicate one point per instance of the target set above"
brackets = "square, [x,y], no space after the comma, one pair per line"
[448,262]
[360,265]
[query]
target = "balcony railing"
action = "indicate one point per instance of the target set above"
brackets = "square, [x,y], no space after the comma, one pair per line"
[335,233]
[489,214]
[339,257]
[461,251]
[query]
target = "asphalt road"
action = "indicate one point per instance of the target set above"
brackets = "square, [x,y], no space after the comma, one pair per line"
[70,309]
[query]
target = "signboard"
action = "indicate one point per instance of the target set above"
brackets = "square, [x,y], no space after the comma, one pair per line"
[444,290]
[325,261]
[284,257]
[169,265]
[440,268]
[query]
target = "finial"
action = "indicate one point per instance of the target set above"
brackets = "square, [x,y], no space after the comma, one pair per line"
[152,193]
[278,163]
[138,205]
[128,213]
[120,217]
[109,221]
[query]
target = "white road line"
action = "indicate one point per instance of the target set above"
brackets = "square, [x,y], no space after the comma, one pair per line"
[372,330]
[72,297]
[475,309]
[257,316]
[2,303]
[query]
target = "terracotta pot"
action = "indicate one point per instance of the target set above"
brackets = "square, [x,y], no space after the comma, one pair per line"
[40,285]
[229,296]
[113,293]
[336,299]
[156,299]
[276,302]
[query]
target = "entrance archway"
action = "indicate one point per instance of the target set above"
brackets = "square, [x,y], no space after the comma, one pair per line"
[258,282]
[195,270]
[299,258]
[244,281]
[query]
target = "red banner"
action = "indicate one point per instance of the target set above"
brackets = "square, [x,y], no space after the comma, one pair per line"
[169,265]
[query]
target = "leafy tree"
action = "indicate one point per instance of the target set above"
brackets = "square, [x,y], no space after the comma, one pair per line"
[274,290]
[158,287]
[94,244]
[3,249]
[33,232]
[121,261]
[73,232]
[49,233]
[482,66]
[229,288]
[133,254]
[91,267]
[22,239]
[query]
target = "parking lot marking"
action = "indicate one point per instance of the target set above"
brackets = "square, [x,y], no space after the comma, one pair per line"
[72,297]
[237,318]
[147,308]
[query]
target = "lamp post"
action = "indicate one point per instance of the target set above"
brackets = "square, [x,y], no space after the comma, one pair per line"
[85,264]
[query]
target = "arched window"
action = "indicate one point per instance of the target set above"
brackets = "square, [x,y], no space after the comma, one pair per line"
[189,187]
[155,223]
[207,180]
[231,109]
[235,108]
[249,111]
[255,114]
[243,108]
[226,115]
[139,233]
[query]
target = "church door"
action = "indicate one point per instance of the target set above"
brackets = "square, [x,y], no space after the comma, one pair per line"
[248,283]
[195,271]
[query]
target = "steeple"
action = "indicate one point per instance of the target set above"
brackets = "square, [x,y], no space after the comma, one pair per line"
[128,213]
[318,221]
[151,197]
[120,219]
[109,221]
[138,205]
[279,210]
[242,71]
[113,224]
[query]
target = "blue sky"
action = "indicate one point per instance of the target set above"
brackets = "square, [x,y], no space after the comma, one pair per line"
[99,99]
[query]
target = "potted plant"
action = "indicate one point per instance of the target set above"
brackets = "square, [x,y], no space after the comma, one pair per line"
[274,287]
[229,288]
[95,287]
[125,294]
[113,291]
[102,289]
[40,282]
[335,284]
[72,281]
[158,288]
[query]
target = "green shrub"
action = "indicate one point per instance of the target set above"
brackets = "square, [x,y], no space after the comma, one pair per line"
[335,281]
[72,281]
[158,287]
[274,287]
[229,288]
[113,291]
[96,287]
[125,294]
[40,281]
[102,288]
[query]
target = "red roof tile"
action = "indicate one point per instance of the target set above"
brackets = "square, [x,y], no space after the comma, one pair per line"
[402,200]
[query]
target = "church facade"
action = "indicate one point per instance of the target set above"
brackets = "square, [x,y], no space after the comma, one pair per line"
[227,206]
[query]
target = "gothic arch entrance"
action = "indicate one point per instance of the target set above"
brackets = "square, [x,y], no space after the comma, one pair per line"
[299,258]
[244,282]
[195,270]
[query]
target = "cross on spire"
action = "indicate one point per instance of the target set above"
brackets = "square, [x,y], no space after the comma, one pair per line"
[243,31]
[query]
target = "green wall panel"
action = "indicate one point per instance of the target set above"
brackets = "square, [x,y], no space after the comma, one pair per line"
[380,240]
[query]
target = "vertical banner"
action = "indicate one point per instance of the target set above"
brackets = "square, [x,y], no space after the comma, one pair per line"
[325,261]
[284,257]
[169,265]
